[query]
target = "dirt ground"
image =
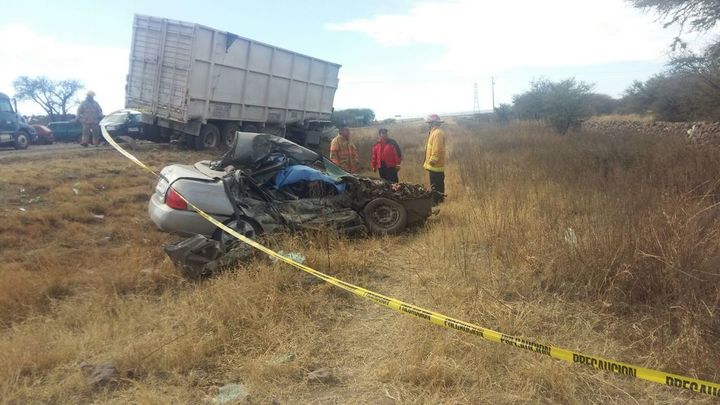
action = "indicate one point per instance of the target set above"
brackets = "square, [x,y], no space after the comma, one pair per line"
[84,281]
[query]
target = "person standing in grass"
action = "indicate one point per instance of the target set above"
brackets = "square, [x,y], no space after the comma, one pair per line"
[386,157]
[343,152]
[435,157]
[89,114]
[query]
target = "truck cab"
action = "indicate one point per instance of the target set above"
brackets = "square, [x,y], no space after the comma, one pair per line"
[14,131]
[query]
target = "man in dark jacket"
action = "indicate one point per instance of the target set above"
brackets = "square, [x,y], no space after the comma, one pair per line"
[386,157]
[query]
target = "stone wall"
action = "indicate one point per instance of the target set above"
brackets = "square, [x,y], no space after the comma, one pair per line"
[696,132]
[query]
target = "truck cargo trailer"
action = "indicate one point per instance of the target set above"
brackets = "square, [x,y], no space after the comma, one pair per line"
[202,84]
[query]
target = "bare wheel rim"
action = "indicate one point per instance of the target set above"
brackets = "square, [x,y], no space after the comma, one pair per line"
[242,227]
[385,216]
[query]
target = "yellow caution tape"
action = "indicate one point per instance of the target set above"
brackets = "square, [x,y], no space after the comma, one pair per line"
[569,356]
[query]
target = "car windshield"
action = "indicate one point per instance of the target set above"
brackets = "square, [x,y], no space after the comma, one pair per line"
[116,118]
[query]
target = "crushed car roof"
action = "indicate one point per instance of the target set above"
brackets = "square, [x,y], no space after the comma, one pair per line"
[250,148]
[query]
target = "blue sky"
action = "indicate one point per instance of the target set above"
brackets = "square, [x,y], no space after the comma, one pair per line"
[399,57]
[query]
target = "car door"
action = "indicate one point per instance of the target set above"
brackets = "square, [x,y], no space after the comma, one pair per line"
[319,214]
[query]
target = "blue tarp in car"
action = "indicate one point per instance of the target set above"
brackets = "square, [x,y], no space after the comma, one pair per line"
[298,173]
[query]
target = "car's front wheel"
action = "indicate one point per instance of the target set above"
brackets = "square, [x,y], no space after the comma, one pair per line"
[242,225]
[385,216]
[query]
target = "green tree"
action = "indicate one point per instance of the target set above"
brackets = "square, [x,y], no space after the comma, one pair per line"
[602,104]
[56,97]
[563,104]
[503,113]
[353,117]
[690,88]
[673,96]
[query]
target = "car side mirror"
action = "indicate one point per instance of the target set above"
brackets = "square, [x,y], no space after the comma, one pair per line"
[15,104]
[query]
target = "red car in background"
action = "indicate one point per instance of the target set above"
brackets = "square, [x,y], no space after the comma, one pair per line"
[45,135]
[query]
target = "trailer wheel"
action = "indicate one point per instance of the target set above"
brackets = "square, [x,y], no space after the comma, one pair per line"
[228,134]
[209,137]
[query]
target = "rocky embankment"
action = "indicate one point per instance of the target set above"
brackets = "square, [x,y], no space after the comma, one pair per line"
[704,133]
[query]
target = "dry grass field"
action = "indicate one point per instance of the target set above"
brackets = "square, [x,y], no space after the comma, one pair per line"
[605,244]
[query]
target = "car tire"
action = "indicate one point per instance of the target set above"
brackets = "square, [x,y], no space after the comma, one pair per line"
[209,138]
[244,225]
[22,140]
[384,216]
[228,134]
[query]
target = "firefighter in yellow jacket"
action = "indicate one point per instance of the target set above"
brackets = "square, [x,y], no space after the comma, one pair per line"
[343,152]
[435,157]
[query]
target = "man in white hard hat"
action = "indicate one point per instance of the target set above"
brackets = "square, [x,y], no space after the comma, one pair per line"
[89,114]
[435,157]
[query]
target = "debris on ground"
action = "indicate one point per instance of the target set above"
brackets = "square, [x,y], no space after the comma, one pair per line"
[198,256]
[230,394]
[197,376]
[294,256]
[322,375]
[191,255]
[570,236]
[100,375]
[98,216]
[283,358]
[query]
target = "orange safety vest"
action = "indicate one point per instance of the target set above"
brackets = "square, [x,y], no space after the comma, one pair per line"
[344,154]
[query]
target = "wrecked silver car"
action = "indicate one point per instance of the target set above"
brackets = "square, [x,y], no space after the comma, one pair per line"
[266,184]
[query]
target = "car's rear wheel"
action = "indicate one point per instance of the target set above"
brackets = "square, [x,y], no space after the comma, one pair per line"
[385,216]
[242,225]
[22,140]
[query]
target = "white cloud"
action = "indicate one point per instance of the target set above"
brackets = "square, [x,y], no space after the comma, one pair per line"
[487,36]
[101,69]
[469,40]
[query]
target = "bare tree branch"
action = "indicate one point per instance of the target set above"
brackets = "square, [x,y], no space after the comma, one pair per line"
[55,97]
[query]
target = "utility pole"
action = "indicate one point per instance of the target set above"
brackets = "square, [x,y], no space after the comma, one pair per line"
[492,81]
[476,102]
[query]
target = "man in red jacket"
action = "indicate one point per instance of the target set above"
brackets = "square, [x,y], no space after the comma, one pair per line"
[386,157]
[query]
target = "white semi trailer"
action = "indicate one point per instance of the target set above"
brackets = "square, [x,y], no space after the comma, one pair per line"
[202,85]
